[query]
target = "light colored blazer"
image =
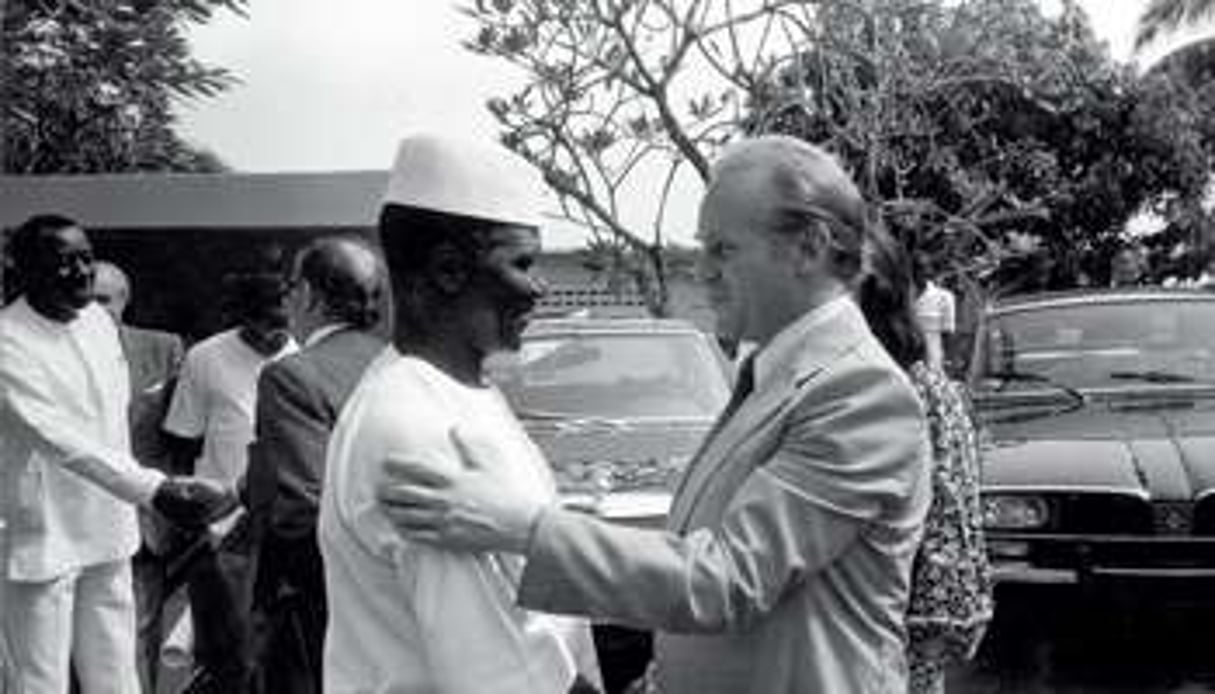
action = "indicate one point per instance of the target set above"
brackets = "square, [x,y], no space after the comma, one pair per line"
[790,541]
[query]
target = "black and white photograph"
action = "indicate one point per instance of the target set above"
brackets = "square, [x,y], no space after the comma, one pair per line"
[607,346]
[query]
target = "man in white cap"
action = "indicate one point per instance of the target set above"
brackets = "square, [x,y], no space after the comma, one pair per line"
[460,231]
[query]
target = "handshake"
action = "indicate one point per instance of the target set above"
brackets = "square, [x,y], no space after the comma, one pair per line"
[193,502]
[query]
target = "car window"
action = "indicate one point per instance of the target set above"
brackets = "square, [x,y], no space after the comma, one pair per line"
[614,376]
[1093,345]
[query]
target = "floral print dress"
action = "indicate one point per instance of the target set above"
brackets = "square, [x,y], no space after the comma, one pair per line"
[951,588]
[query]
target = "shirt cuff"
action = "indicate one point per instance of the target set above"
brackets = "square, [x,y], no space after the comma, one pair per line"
[145,483]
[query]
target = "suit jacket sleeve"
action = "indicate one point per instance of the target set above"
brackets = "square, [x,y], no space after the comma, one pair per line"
[24,393]
[847,449]
[293,425]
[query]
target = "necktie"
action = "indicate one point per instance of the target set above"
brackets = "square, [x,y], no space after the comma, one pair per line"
[743,385]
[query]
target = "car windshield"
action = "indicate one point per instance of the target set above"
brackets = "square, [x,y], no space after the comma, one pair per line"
[611,376]
[1097,345]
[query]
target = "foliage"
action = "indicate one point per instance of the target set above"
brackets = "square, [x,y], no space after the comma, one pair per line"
[622,94]
[986,129]
[990,135]
[1164,16]
[90,84]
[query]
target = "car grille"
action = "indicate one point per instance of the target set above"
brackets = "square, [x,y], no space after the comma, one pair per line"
[1121,534]
[1173,517]
[1105,514]
[602,476]
[1204,516]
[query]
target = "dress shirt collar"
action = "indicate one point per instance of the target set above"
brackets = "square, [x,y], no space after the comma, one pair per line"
[783,348]
[323,332]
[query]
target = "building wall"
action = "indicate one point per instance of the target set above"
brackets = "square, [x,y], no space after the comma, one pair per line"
[178,276]
[571,281]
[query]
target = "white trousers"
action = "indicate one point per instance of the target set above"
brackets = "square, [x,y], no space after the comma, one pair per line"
[86,618]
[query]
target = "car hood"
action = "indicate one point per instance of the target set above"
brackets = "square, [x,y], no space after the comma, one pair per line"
[638,460]
[1161,448]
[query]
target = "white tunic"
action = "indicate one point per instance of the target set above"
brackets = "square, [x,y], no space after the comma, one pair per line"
[406,617]
[68,481]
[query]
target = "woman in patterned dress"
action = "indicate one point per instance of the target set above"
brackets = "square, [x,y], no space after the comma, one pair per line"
[951,591]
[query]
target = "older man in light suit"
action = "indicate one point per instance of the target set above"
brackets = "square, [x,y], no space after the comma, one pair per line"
[786,562]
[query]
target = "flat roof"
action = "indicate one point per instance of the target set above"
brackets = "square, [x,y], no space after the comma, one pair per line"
[320,200]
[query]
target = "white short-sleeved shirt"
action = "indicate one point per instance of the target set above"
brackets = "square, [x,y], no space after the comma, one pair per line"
[937,314]
[216,398]
[407,617]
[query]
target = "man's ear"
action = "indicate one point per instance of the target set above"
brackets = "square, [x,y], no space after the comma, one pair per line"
[813,247]
[312,298]
[447,268]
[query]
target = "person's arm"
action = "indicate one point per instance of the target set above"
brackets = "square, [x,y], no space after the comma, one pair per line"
[35,410]
[33,407]
[185,421]
[842,459]
[952,345]
[182,452]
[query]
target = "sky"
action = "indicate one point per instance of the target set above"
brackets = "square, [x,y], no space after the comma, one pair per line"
[333,86]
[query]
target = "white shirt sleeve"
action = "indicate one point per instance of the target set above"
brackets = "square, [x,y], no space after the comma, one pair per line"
[33,406]
[187,415]
[949,321]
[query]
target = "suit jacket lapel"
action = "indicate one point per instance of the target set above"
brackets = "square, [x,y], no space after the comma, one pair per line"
[819,348]
[721,443]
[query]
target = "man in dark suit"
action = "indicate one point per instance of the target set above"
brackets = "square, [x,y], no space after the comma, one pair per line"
[335,304]
[153,358]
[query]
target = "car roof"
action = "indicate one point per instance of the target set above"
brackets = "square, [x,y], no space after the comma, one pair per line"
[1090,297]
[549,326]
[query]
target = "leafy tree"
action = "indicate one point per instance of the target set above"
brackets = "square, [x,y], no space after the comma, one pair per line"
[990,135]
[986,130]
[621,94]
[89,85]
[1164,16]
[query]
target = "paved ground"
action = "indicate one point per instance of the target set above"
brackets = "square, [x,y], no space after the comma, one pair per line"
[1059,642]
[1056,641]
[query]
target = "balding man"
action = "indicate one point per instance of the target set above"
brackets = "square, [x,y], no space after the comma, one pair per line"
[153,358]
[337,289]
[786,561]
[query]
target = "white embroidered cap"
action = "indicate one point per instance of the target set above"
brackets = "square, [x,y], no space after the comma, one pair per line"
[463,177]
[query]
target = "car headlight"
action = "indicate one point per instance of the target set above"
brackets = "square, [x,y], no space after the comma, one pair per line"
[1015,512]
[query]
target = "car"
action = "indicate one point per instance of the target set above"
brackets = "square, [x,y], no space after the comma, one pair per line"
[1098,411]
[617,405]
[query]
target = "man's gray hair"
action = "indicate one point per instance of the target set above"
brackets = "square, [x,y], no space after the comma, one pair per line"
[812,192]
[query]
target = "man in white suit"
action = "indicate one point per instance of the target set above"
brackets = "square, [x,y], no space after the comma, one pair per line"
[786,560]
[69,484]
